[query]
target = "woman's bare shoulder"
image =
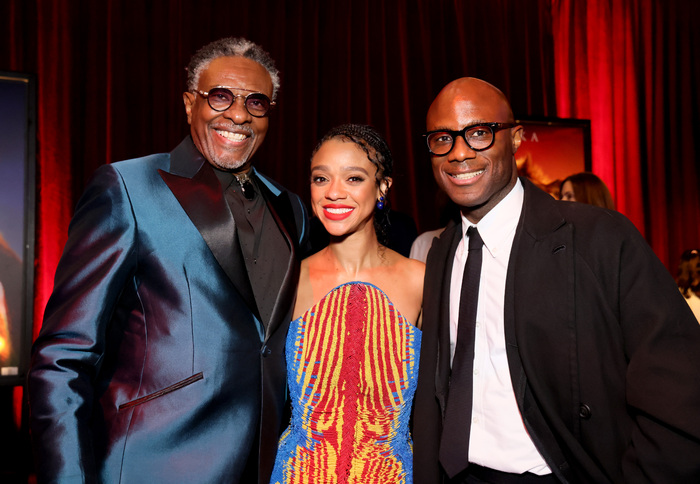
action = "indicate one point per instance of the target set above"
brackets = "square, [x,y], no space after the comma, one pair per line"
[411,268]
[403,283]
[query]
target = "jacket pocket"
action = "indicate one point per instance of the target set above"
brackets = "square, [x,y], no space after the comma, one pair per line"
[164,391]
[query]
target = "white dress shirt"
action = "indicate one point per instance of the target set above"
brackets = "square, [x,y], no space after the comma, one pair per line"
[498,438]
[421,246]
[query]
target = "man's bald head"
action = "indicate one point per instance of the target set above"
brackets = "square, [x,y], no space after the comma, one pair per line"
[476,179]
[469,90]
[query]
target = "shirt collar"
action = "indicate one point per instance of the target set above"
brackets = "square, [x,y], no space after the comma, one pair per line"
[226,177]
[497,226]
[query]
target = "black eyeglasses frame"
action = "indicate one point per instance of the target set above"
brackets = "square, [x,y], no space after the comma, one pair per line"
[493,127]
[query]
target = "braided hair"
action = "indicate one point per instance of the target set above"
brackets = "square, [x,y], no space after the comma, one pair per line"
[377,150]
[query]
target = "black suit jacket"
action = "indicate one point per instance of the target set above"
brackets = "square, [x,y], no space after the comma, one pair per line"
[604,354]
[151,365]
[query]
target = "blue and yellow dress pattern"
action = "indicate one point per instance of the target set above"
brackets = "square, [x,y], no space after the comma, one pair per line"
[352,365]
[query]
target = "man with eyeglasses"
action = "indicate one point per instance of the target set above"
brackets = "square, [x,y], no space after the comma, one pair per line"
[161,356]
[556,346]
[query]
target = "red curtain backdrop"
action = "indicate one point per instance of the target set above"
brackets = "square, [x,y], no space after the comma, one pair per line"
[111,75]
[632,68]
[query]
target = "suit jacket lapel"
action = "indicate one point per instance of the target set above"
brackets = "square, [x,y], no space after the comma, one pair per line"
[442,256]
[279,206]
[539,222]
[194,184]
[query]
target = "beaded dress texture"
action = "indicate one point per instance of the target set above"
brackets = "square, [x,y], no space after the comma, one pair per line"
[352,366]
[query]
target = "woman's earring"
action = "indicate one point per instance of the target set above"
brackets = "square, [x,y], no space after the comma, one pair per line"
[380,203]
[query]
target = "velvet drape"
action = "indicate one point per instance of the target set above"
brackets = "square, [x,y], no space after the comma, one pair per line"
[111,75]
[632,67]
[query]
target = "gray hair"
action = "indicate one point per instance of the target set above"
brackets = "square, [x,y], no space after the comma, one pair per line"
[231,47]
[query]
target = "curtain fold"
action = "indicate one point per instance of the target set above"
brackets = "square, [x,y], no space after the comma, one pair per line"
[630,66]
[55,187]
[111,76]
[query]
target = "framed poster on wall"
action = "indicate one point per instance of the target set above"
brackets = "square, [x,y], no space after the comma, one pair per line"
[17,165]
[552,149]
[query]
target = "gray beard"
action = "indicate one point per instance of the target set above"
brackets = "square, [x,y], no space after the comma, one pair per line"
[229,166]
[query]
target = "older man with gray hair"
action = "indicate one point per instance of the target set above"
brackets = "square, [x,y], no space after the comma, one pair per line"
[161,356]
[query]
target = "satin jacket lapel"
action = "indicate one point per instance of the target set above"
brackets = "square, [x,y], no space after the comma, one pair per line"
[442,255]
[280,208]
[194,184]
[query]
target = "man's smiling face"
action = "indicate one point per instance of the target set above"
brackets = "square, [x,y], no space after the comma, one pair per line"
[228,139]
[474,180]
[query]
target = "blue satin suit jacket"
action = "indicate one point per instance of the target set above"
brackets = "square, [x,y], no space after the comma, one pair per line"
[151,365]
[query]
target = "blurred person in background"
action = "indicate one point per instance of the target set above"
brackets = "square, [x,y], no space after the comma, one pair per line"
[587,188]
[688,279]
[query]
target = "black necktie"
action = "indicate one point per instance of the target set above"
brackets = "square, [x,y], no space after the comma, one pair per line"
[454,444]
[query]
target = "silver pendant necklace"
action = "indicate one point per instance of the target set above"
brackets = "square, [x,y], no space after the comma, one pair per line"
[246,185]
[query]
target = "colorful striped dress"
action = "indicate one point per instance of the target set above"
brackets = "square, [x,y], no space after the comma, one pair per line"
[352,366]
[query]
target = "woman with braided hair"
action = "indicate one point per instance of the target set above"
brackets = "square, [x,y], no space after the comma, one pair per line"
[353,347]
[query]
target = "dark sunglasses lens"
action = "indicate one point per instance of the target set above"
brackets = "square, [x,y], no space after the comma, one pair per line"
[257,104]
[220,99]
